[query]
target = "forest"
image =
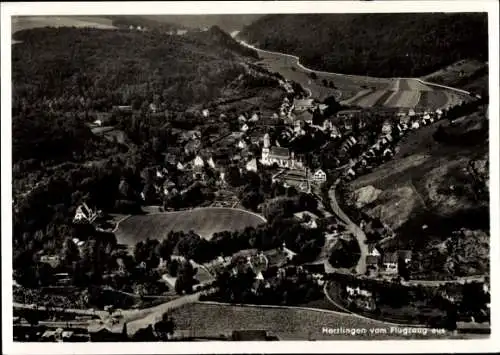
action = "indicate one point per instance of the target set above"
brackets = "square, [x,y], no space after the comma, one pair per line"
[405,44]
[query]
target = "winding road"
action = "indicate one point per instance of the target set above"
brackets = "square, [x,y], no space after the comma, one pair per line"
[353,228]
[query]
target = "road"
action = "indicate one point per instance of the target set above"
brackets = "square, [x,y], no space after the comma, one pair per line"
[141,319]
[297,62]
[354,229]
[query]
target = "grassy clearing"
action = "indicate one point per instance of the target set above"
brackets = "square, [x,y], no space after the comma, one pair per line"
[203,221]
[202,319]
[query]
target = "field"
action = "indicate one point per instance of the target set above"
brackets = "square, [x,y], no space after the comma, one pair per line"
[26,22]
[207,319]
[363,91]
[203,221]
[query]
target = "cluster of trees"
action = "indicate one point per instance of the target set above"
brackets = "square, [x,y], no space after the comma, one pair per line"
[285,206]
[406,44]
[243,288]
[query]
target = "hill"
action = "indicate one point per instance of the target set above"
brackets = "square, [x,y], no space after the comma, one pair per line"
[381,45]
[228,23]
[470,75]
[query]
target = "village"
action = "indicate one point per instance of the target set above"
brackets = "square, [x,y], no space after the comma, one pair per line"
[201,171]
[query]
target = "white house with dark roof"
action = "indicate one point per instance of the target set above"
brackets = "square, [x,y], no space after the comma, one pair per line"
[198,162]
[252,165]
[319,176]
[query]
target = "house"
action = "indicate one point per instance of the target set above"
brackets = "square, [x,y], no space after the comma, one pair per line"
[254,118]
[52,260]
[373,251]
[300,105]
[351,172]
[388,153]
[307,218]
[319,176]
[411,112]
[198,162]
[242,118]
[124,108]
[205,113]
[192,146]
[211,163]
[98,123]
[405,255]
[415,125]
[241,144]
[427,119]
[357,291]
[180,166]
[386,127]
[390,262]
[348,116]
[334,132]
[304,116]
[244,127]
[153,108]
[348,143]
[252,165]
[267,140]
[84,214]
[79,243]
[373,261]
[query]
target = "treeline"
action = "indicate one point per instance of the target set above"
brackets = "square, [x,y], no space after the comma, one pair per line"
[306,242]
[382,45]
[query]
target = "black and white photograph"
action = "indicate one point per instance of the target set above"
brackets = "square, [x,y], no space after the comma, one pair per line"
[175,175]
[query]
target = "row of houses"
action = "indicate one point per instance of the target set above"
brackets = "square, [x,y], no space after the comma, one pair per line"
[386,263]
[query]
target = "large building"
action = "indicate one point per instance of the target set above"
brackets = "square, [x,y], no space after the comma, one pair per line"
[301,105]
[276,155]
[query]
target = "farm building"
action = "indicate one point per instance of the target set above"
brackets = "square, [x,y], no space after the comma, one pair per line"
[300,105]
[319,176]
[390,262]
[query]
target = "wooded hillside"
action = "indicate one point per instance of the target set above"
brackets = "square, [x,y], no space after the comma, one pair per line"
[381,45]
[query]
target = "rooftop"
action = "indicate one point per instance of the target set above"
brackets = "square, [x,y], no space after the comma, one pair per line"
[279,152]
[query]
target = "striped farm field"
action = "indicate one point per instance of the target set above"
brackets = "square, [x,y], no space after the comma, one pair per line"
[203,221]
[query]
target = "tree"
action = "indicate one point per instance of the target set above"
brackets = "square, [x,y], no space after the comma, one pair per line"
[403,269]
[185,278]
[313,75]
[233,176]
[70,253]
[165,327]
